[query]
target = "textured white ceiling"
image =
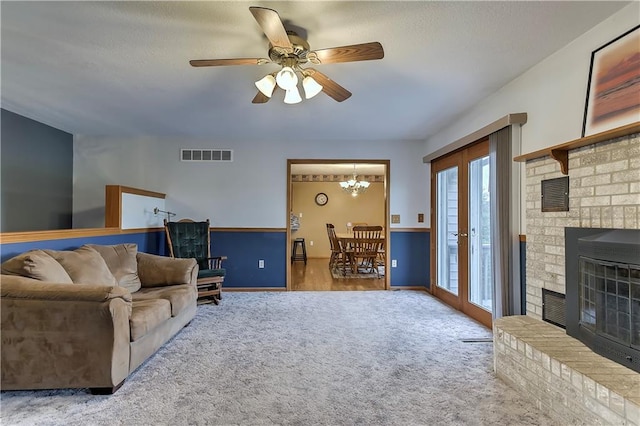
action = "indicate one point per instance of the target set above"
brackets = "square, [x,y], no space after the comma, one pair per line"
[121,68]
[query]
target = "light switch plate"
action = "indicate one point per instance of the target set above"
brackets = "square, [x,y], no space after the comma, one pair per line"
[420,217]
[395,218]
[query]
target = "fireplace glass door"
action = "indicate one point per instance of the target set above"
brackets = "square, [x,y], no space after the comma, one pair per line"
[610,300]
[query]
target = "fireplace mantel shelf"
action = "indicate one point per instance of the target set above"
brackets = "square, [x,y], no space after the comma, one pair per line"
[560,153]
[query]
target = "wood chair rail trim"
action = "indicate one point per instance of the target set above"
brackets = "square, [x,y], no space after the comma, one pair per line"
[63,234]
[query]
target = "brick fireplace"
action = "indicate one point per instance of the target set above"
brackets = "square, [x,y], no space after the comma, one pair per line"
[563,376]
[604,192]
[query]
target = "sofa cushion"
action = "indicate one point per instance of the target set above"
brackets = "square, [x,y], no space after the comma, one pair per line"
[180,296]
[84,265]
[38,265]
[155,271]
[146,315]
[121,261]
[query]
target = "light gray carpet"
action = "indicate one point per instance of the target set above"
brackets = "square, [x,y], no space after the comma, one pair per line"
[303,358]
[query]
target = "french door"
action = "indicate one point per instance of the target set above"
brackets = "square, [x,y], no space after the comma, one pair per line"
[461,233]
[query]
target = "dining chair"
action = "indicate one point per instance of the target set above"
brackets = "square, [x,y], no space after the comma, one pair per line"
[367,231]
[340,256]
[367,243]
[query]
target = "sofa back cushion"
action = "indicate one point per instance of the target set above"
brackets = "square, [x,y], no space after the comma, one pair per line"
[121,261]
[38,265]
[157,270]
[85,266]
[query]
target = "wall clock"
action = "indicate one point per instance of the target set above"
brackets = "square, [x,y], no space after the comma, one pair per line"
[321,198]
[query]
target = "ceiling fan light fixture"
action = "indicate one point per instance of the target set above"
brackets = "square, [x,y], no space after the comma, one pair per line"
[287,78]
[288,50]
[311,87]
[266,85]
[292,96]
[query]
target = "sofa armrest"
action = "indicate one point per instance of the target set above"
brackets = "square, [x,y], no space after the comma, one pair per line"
[156,271]
[17,287]
[75,335]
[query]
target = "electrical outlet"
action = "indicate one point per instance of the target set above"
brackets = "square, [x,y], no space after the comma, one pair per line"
[300,214]
[261,263]
[394,263]
[395,218]
[311,242]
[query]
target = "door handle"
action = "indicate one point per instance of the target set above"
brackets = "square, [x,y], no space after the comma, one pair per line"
[464,235]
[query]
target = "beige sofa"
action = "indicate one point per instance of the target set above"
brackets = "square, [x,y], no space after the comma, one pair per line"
[87,318]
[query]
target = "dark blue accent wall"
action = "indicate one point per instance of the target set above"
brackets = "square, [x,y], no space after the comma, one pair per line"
[411,250]
[244,249]
[36,176]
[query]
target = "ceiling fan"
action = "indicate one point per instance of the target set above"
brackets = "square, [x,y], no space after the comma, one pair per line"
[291,51]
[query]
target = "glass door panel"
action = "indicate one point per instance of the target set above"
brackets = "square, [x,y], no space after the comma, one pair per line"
[480,275]
[460,224]
[447,230]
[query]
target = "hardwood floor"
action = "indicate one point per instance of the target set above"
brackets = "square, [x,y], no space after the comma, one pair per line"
[315,276]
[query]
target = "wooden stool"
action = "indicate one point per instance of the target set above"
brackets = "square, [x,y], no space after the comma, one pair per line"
[298,243]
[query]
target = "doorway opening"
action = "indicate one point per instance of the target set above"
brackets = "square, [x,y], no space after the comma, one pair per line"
[315,198]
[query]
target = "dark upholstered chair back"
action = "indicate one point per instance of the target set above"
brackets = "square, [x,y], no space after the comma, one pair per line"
[188,239]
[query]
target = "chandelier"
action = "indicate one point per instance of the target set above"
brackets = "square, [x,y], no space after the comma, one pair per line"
[354,186]
[287,80]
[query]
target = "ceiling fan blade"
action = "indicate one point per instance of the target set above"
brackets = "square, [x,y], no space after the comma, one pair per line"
[329,86]
[225,62]
[352,53]
[260,98]
[272,26]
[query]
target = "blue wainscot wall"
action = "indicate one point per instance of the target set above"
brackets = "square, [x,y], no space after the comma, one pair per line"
[411,251]
[243,249]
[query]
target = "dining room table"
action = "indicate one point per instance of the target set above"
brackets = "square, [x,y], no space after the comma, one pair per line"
[347,240]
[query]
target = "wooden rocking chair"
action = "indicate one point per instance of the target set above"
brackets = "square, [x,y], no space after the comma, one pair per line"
[189,239]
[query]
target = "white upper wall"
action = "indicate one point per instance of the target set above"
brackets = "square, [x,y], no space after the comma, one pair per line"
[249,192]
[552,93]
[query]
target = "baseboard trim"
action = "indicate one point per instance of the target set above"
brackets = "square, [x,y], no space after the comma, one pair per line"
[244,289]
[412,287]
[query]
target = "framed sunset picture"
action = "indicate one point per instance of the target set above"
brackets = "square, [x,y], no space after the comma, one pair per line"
[613,92]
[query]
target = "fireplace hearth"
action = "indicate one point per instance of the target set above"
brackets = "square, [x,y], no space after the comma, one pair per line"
[603,291]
